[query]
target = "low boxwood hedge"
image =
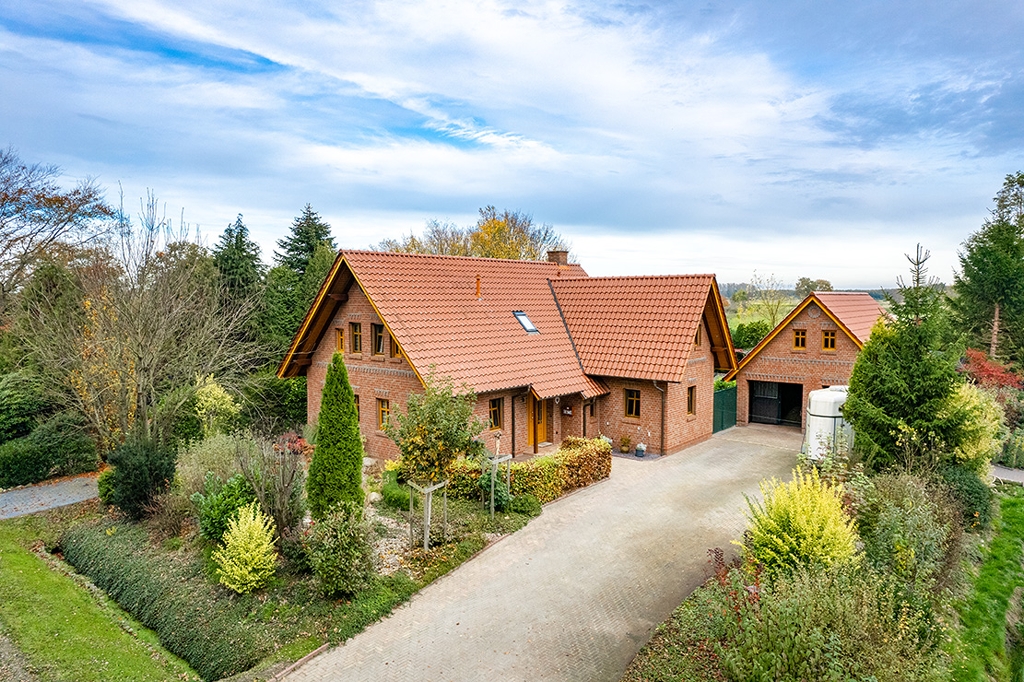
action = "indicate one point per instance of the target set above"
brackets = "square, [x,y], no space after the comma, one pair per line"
[194,619]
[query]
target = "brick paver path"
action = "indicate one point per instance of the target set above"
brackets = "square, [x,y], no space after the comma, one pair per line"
[575,594]
[47,495]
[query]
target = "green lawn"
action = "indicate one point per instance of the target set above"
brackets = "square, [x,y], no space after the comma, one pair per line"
[65,631]
[982,654]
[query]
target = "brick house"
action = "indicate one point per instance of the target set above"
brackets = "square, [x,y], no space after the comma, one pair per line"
[814,347]
[549,351]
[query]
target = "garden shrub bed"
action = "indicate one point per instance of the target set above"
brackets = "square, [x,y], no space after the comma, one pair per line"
[578,463]
[218,632]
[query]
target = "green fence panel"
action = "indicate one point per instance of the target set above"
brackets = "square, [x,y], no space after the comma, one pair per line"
[725,409]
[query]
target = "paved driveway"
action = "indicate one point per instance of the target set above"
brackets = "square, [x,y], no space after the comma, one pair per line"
[575,594]
[47,495]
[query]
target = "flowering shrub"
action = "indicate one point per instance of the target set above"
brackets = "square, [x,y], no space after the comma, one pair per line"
[339,550]
[800,523]
[247,560]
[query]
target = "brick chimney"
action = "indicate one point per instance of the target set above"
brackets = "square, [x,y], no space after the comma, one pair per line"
[560,257]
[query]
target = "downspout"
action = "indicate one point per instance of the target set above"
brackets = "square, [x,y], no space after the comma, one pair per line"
[662,414]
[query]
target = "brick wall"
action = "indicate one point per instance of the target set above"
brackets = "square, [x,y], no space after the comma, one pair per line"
[812,367]
[373,377]
[681,429]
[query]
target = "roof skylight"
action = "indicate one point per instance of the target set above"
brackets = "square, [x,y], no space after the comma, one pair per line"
[530,327]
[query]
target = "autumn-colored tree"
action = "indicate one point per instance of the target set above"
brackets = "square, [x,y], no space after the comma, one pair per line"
[505,234]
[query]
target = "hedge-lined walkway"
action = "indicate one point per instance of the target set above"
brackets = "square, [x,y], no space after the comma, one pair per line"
[575,594]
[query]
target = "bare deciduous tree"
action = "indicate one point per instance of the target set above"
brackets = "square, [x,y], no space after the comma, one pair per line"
[768,297]
[36,214]
[150,322]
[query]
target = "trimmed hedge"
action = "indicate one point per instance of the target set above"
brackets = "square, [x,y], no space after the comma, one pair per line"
[578,463]
[192,618]
[57,447]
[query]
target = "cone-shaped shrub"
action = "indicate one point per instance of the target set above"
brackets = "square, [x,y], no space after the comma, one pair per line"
[336,472]
[247,560]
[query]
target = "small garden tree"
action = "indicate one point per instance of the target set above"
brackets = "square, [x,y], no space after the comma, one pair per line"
[336,472]
[436,428]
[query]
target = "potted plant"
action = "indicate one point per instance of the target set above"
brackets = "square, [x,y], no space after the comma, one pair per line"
[624,443]
[641,449]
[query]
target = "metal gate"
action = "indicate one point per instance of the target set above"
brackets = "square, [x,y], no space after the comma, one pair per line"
[764,402]
[725,409]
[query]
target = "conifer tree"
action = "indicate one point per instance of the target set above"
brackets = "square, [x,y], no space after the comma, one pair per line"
[237,258]
[336,472]
[307,232]
[990,285]
[905,378]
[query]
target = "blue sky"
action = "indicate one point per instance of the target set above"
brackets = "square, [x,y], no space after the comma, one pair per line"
[793,137]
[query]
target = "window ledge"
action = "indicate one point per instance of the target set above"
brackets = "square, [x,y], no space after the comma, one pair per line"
[377,358]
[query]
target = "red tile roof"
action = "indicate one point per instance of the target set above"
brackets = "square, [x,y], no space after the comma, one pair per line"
[640,327]
[637,327]
[430,305]
[856,310]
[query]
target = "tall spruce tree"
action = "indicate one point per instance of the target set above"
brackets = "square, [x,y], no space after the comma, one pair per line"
[307,232]
[237,258]
[989,304]
[336,472]
[905,378]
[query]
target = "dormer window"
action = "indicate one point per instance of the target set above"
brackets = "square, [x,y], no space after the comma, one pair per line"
[529,326]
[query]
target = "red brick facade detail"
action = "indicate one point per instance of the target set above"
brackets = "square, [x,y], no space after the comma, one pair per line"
[813,366]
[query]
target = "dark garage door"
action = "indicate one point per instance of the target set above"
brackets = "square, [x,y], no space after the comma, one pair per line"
[773,402]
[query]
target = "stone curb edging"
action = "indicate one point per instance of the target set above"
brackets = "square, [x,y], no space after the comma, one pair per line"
[299,663]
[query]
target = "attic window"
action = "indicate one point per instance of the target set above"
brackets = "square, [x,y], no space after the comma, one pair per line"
[530,327]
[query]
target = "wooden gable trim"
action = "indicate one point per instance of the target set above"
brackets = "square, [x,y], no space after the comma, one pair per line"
[785,323]
[327,303]
[721,352]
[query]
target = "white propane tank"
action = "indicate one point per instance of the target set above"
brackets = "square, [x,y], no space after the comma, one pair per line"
[825,424]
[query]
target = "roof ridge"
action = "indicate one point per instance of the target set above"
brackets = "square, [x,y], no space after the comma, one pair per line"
[622,277]
[445,256]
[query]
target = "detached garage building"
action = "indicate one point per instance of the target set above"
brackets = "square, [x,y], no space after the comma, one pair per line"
[814,347]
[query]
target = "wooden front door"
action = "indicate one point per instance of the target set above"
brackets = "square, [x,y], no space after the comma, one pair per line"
[538,421]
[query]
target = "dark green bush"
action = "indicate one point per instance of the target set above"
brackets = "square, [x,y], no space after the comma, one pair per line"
[21,402]
[219,503]
[22,462]
[749,334]
[526,504]
[71,451]
[339,550]
[105,485]
[394,494]
[272,405]
[142,469]
[336,472]
[502,499]
[193,619]
[56,447]
[974,497]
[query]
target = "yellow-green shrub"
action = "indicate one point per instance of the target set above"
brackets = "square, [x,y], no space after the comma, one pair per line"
[542,477]
[800,523]
[980,419]
[247,560]
[586,461]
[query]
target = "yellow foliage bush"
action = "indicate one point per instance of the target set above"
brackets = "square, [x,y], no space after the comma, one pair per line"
[800,523]
[247,560]
[980,418]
